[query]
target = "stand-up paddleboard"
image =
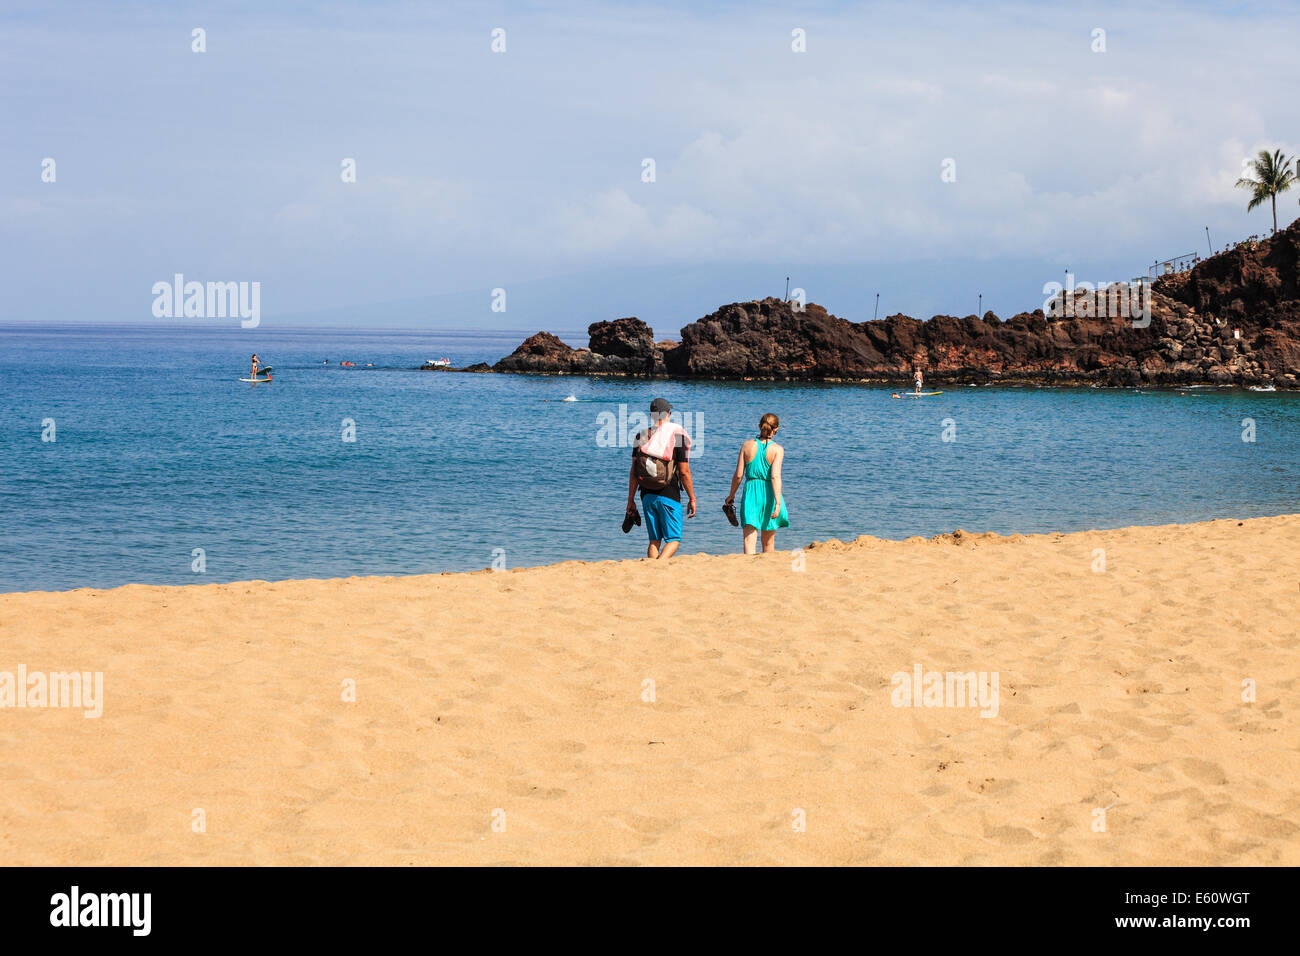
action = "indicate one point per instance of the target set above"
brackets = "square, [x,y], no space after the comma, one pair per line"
[267,379]
[914,394]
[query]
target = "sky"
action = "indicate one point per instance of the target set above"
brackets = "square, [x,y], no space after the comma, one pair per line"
[926,153]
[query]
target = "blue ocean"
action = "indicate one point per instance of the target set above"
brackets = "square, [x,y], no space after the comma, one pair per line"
[164,468]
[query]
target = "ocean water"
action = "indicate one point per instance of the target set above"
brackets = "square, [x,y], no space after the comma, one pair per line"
[159,450]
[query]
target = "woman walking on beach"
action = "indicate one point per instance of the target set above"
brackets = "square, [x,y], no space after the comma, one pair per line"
[762,509]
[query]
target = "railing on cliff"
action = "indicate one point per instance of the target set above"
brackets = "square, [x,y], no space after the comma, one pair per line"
[1170,266]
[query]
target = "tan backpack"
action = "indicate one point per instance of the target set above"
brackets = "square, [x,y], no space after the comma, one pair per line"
[652,474]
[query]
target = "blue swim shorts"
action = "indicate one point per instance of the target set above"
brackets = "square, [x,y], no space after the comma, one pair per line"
[663,517]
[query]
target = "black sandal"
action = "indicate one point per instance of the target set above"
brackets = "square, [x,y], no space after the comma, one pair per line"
[633,517]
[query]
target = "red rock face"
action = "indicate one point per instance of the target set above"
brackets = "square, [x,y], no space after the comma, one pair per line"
[542,352]
[769,340]
[544,344]
[1251,282]
[621,338]
[621,347]
[1190,339]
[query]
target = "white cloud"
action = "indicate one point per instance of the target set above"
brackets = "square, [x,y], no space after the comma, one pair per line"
[474,165]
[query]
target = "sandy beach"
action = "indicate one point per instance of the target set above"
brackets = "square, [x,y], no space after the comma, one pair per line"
[548,716]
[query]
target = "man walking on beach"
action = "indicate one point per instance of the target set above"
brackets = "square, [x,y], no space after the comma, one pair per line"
[661,469]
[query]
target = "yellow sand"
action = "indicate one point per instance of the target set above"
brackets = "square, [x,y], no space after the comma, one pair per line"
[521,694]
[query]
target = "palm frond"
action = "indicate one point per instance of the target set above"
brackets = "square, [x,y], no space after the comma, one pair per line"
[1272,173]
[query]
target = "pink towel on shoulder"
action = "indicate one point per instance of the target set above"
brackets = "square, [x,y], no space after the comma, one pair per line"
[663,440]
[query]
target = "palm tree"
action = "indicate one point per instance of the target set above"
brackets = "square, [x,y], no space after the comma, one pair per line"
[1273,175]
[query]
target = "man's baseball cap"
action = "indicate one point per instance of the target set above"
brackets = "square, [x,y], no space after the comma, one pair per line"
[660,405]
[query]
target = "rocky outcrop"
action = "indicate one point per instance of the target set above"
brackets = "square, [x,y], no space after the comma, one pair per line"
[1249,283]
[769,339]
[622,338]
[1232,319]
[1244,310]
[621,347]
[542,352]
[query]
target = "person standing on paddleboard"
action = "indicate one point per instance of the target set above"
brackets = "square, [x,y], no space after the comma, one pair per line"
[256,365]
[920,379]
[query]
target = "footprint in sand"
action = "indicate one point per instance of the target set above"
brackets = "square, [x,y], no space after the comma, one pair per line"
[130,822]
[567,746]
[1203,771]
[645,825]
[1008,834]
[991,786]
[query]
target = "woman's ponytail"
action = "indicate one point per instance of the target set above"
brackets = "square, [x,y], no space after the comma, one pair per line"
[767,426]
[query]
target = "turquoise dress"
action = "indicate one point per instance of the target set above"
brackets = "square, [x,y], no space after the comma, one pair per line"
[758,499]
